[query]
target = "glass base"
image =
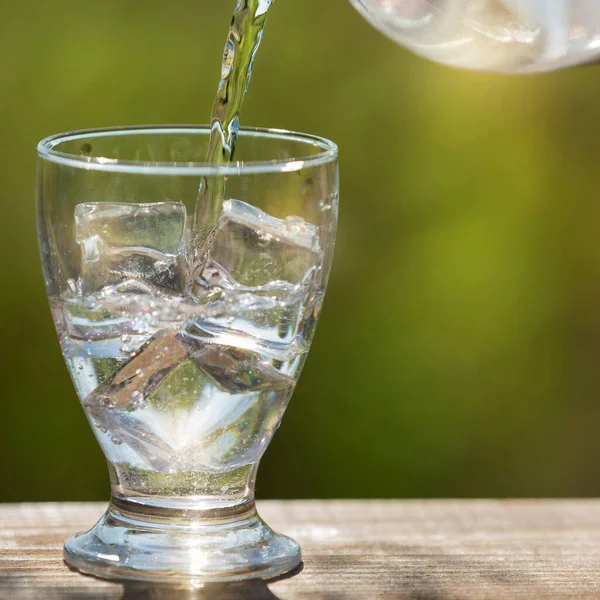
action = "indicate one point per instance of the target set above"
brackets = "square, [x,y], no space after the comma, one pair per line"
[138,542]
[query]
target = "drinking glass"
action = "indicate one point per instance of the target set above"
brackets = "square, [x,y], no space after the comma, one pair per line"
[185,296]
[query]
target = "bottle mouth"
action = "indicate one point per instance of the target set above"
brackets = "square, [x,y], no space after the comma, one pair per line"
[311,151]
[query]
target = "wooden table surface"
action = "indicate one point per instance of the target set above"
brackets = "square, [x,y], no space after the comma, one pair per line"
[352,549]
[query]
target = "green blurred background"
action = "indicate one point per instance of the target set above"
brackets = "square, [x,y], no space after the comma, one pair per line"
[457,353]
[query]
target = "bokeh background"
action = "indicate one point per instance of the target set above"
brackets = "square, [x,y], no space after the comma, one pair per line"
[459,345]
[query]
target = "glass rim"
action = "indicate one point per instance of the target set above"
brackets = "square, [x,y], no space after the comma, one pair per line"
[328,152]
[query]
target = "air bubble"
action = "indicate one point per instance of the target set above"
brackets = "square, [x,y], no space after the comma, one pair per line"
[264,239]
[137,400]
[72,285]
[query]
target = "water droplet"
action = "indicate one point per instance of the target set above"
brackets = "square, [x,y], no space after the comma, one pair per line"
[325,205]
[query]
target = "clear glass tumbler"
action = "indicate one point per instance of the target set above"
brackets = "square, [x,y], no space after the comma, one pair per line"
[185,297]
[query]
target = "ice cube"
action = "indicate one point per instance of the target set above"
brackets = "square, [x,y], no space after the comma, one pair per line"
[127,389]
[495,20]
[256,249]
[260,270]
[123,242]
[181,404]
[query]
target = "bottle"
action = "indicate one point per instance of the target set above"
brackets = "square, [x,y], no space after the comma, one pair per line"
[507,36]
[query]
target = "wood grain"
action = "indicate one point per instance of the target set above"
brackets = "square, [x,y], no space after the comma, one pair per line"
[352,549]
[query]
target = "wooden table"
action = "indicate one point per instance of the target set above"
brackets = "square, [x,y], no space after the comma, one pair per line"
[352,549]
